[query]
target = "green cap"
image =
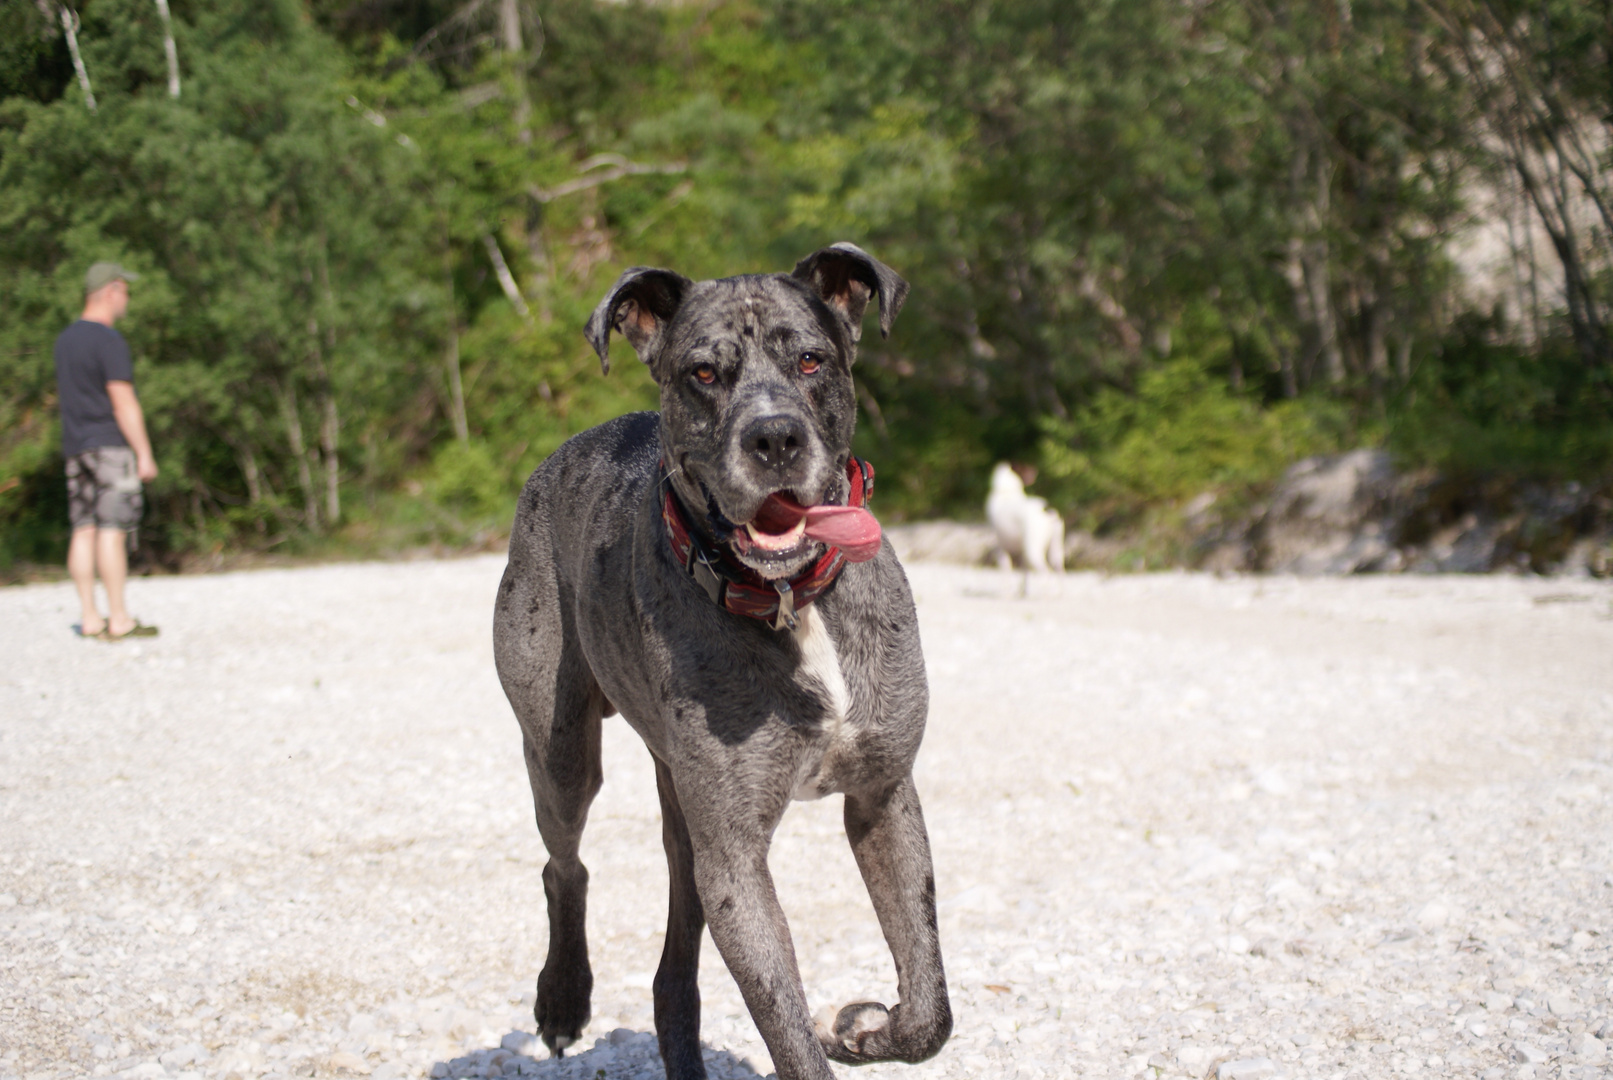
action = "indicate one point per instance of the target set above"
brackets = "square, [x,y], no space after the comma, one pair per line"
[103,274]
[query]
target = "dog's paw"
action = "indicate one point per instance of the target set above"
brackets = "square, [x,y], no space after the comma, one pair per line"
[856,1033]
[562,1009]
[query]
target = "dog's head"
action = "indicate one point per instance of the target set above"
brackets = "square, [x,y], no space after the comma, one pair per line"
[1005,482]
[756,391]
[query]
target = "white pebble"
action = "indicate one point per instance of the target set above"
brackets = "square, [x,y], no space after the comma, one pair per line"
[1588,1048]
[1562,1005]
[522,1042]
[1433,916]
[1528,1054]
[1247,1069]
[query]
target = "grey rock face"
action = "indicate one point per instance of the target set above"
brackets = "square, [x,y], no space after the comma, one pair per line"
[1326,516]
[1355,513]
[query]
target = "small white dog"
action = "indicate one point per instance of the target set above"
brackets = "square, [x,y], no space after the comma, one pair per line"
[1027,528]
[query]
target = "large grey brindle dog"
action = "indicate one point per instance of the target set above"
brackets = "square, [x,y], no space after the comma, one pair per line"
[705,571]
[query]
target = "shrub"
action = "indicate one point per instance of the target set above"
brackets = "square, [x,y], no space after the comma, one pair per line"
[1181,433]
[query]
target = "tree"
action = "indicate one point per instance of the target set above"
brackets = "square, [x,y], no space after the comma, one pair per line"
[275,230]
[1543,108]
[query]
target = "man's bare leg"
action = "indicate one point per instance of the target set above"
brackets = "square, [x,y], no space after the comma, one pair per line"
[81,567]
[112,561]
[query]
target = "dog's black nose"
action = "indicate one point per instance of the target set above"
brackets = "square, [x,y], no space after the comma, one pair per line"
[777,441]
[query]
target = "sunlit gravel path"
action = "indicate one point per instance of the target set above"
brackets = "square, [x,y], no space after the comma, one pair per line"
[1183,826]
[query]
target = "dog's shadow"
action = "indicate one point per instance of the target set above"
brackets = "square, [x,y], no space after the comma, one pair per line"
[624,1054]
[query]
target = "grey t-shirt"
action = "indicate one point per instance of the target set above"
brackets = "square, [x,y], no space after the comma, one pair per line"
[88,356]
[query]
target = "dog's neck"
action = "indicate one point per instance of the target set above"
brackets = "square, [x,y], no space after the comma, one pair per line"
[701,514]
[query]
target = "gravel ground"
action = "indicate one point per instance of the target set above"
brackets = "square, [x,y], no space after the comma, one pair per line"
[1183,826]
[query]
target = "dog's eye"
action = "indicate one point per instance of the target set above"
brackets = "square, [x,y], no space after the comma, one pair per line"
[705,374]
[810,362]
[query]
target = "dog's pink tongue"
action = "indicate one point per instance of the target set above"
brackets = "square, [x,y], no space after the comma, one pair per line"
[852,529]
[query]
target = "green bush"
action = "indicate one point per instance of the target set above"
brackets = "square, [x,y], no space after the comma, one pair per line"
[1483,405]
[1180,434]
[467,481]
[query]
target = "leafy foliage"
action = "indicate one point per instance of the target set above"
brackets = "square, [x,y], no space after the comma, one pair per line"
[1157,249]
[1181,433]
[1483,405]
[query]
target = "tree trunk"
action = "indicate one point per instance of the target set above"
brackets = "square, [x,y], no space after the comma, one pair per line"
[1377,327]
[248,462]
[1552,206]
[286,393]
[456,390]
[1403,359]
[330,423]
[509,25]
[1521,253]
[537,253]
[1307,266]
[329,430]
[1317,280]
[70,31]
[168,47]
[510,37]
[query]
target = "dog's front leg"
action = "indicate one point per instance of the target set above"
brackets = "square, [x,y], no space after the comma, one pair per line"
[748,926]
[887,835]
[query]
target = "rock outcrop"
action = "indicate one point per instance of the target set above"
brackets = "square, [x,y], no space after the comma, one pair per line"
[1329,516]
[1355,513]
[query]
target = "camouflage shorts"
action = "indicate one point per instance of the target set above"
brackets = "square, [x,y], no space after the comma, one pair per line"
[103,489]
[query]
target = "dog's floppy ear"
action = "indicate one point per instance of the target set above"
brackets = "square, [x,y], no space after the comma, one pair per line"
[638,306]
[845,275]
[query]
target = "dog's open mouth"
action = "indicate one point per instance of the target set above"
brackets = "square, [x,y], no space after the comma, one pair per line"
[783,526]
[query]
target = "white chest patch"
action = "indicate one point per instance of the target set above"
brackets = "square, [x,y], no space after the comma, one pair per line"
[820,670]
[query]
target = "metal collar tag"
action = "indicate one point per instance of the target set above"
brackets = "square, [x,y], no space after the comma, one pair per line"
[786,606]
[702,570]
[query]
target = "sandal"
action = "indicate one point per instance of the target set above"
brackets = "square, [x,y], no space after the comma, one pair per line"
[139,629]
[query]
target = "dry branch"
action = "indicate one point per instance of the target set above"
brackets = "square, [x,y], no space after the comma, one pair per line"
[615,168]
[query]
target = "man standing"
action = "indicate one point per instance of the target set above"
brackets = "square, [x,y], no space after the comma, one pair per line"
[108,453]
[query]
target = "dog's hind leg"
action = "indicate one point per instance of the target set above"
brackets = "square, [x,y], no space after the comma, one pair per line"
[565,774]
[677,989]
[893,852]
[1036,536]
[559,706]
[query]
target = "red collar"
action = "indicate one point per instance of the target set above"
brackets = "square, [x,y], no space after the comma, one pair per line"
[737,588]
